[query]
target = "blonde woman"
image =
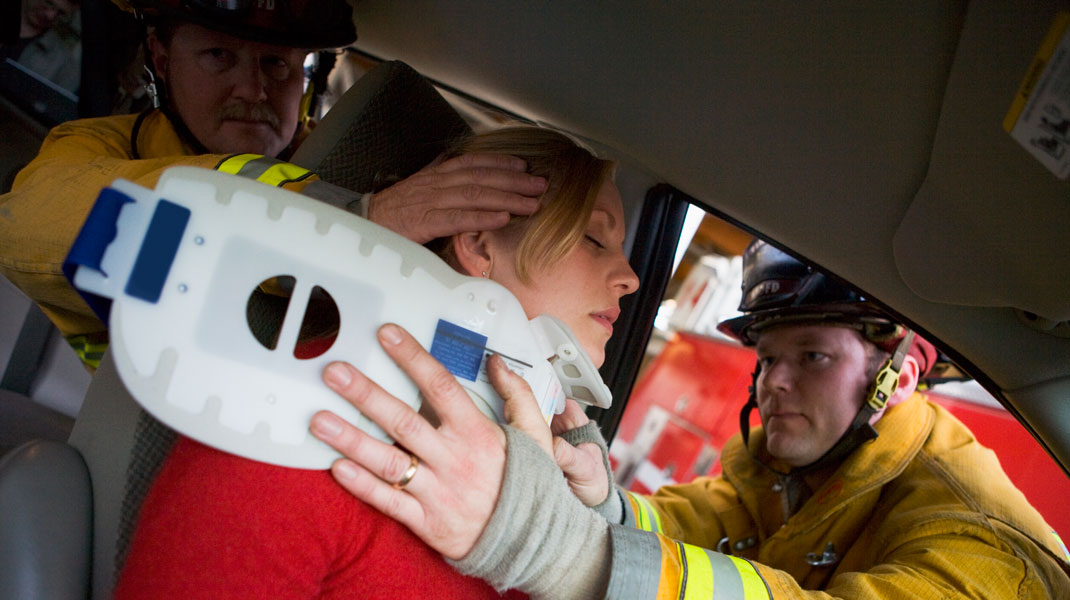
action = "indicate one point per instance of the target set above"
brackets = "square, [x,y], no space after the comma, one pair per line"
[216,525]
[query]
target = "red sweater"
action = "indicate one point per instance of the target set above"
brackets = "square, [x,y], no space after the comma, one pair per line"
[215,525]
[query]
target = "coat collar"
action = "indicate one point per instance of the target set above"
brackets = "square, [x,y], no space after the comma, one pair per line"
[901,433]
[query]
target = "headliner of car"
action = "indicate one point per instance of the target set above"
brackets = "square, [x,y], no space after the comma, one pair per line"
[866,137]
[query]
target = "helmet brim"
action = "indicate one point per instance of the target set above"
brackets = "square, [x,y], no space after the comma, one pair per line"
[873,325]
[338,33]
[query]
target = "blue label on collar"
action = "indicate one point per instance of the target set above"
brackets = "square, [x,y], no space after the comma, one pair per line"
[460,350]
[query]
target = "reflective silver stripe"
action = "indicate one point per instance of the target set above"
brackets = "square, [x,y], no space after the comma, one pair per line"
[646,516]
[754,585]
[655,516]
[708,574]
[234,164]
[641,570]
[636,565]
[338,196]
[256,167]
[630,519]
[271,171]
[726,580]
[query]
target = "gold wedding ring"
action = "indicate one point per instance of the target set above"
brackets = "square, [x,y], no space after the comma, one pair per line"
[414,463]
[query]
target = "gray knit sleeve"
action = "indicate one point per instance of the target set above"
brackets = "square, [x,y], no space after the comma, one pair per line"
[612,507]
[540,539]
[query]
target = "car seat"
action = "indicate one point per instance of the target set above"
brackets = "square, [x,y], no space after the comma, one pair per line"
[67,510]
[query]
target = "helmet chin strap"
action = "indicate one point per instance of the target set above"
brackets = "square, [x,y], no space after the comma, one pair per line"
[156,89]
[858,432]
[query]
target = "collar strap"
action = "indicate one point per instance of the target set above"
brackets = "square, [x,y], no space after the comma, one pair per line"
[752,403]
[859,431]
[887,379]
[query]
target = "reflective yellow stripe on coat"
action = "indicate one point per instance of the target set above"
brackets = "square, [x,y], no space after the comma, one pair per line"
[692,573]
[89,348]
[271,171]
[646,516]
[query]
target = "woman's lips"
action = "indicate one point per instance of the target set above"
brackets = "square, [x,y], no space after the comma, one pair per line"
[604,322]
[606,318]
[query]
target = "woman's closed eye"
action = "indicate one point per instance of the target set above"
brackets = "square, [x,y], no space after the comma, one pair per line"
[594,241]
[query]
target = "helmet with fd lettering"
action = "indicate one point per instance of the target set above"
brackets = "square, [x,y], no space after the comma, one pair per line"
[311,24]
[779,289]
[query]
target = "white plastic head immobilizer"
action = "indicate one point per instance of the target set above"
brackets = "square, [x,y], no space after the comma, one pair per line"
[183,264]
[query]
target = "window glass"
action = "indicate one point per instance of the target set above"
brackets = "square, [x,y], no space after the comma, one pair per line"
[40,59]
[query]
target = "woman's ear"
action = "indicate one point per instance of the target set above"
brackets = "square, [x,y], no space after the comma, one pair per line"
[473,253]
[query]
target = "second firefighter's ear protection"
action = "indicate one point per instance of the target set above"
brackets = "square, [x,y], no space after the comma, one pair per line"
[886,381]
[181,274]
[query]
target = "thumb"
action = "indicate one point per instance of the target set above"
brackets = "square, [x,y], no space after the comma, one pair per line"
[584,470]
[571,418]
[564,455]
[521,409]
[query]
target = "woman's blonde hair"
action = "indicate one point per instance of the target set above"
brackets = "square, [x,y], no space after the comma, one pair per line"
[574,176]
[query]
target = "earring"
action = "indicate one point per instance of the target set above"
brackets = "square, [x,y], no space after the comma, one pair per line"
[484,273]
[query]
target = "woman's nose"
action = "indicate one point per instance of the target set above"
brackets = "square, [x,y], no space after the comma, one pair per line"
[624,278]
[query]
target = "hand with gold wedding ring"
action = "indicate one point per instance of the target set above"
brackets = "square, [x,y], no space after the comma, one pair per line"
[414,463]
[461,462]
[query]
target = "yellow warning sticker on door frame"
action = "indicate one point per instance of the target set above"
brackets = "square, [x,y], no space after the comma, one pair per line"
[1039,117]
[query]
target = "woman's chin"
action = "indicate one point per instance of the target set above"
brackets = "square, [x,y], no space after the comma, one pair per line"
[597,355]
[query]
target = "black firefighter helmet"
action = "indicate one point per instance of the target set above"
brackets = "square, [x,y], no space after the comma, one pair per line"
[311,24]
[779,289]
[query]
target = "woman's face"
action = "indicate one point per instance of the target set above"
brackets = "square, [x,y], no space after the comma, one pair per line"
[584,288]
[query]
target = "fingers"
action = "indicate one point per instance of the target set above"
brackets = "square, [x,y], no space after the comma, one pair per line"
[370,467]
[521,408]
[440,389]
[584,469]
[386,462]
[453,490]
[473,192]
[396,418]
[482,189]
[502,162]
[571,418]
[444,223]
[470,174]
[366,486]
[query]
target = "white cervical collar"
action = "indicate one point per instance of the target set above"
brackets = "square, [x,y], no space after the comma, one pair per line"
[180,262]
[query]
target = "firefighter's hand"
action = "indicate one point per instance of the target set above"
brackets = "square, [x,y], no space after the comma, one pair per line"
[471,192]
[450,497]
[582,464]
